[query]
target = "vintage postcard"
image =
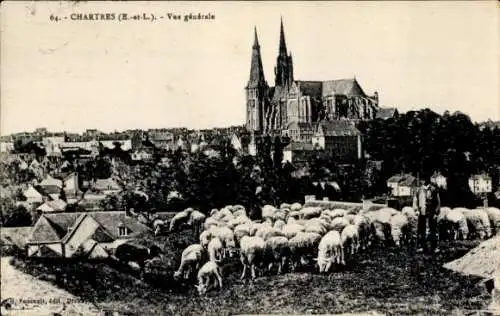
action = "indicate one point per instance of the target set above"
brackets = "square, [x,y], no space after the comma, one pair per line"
[243,158]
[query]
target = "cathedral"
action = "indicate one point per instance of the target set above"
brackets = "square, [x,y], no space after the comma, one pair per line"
[294,106]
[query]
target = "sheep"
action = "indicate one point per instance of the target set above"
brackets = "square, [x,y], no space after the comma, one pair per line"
[444,228]
[213,212]
[180,218]
[241,219]
[294,214]
[350,218]
[310,212]
[364,230]
[285,205]
[315,225]
[478,222]
[158,226]
[268,212]
[410,213]
[279,224]
[384,214]
[339,223]
[295,207]
[399,229]
[222,214]
[338,212]
[191,258]
[226,236]
[277,252]
[302,245]
[211,222]
[266,232]
[205,237]
[208,272]
[457,223]
[290,230]
[242,230]
[330,251]
[280,214]
[350,239]
[251,252]
[494,216]
[240,212]
[196,220]
[215,249]
[387,210]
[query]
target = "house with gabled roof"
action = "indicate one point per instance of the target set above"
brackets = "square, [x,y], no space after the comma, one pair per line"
[340,137]
[402,185]
[77,234]
[50,185]
[55,205]
[106,186]
[32,195]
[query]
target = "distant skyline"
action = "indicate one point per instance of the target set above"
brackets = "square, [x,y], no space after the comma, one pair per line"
[110,75]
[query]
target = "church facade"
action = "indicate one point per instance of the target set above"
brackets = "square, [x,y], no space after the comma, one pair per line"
[295,108]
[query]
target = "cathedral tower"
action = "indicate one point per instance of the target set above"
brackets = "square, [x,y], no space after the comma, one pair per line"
[284,65]
[256,90]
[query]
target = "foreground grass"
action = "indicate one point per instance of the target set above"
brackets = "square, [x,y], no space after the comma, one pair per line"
[395,282]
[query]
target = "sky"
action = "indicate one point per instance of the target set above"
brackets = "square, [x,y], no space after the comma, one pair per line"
[110,75]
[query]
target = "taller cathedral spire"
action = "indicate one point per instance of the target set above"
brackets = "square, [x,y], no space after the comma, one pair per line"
[284,66]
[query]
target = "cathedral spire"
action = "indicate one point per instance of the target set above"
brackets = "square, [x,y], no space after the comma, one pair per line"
[256,68]
[283,49]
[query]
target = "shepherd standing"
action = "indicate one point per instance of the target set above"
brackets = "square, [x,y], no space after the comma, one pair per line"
[427,203]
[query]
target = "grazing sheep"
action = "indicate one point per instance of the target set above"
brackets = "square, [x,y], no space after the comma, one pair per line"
[277,252]
[215,249]
[339,223]
[252,250]
[196,219]
[180,218]
[209,274]
[381,232]
[384,214]
[330,251]
[387,210]
[444,228]
[399,229]
[294,215]
[350,239]
[302,245]
[226,236]
[240,212]
[350,218]
[314,225]
[242,230]
[478,222]
[279,224]
[494,216]
[240,219]
[266,232]
[310,212]
[295,207]
[285,205]
[268,212]
[410,213]
[338,212]
[457,223]
[211,222]
[224,214]
[213,212]
[190,261]
[205,237]
[364,230]
[290,230]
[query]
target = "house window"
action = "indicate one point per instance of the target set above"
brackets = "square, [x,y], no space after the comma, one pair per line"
[122,231]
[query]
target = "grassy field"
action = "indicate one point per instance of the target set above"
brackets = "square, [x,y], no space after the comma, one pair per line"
[396,282]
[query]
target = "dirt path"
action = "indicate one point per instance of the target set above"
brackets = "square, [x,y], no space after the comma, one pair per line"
[31,296]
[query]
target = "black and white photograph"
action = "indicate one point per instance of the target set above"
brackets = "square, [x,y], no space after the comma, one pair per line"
[250,158]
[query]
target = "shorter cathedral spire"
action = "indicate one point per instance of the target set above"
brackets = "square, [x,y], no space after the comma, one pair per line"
[256,39]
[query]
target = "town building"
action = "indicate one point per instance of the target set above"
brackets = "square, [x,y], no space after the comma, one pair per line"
[480,183]
[402,185]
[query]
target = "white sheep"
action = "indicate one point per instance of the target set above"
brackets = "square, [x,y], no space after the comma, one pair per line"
[158,226]
[205,237]
[265,232]
[457,223]
[179,219]
[399,229]
[294,215]
[330,251]
[315,225]
[215,249]
[290,230]
[214,211]
[285,205]
[209,274]
[338,212]
[252,250]
[190,261]
[196,219]
[350,239]
[410,213]
[277,251]
[478,222]
[310,212]
[444,228]
[364,230]
[242,230]
[494,216]
[302,245]
[268,212]
[211,222]
[295,207]
[279,224]
[339,223]
[226,236]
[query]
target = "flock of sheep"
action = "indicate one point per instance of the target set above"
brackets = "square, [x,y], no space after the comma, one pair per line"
[294,235]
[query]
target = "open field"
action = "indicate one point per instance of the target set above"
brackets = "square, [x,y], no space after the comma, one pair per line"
[395,282]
